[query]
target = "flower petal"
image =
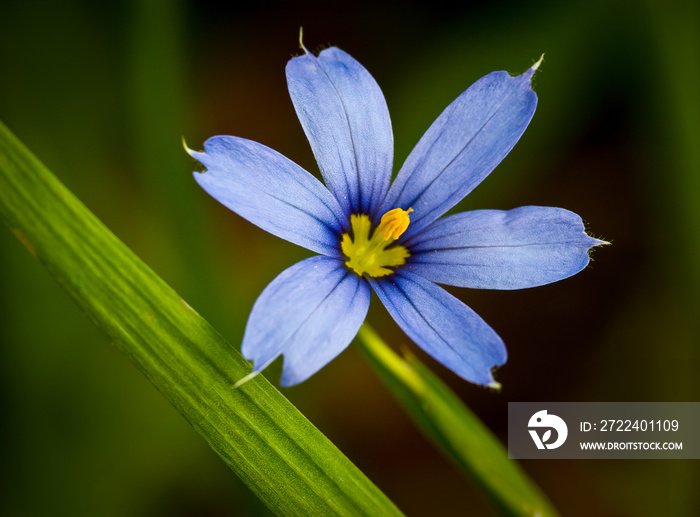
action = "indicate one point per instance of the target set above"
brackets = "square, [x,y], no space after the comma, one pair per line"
[462,147]
[271,191]
[442,325]
[310,313]
[495,249]
[345,118]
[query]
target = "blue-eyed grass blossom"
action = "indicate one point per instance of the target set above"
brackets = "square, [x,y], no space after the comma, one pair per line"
[372,234]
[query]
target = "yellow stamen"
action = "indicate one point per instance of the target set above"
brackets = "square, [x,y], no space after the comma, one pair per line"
[374,256]
[394,223]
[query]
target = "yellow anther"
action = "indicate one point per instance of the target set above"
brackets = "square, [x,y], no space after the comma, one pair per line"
[394,223]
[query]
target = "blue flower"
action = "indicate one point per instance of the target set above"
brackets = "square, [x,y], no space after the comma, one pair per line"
[360,224]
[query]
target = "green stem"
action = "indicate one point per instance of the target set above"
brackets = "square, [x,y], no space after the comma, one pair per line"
[455,430]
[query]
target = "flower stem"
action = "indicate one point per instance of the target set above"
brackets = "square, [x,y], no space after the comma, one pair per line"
[455,430]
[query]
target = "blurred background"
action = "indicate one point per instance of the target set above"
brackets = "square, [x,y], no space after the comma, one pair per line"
[102,93]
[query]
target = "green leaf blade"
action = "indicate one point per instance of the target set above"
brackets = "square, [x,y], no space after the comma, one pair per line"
[263,438]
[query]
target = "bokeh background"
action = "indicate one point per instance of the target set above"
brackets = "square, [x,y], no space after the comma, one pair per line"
[103,91]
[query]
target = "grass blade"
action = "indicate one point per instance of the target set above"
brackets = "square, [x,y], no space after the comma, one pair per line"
[262,437]
[445,419]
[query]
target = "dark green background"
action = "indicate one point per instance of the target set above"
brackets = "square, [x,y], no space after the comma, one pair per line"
[102,93]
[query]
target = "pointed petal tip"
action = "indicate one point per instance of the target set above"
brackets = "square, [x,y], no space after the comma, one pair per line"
[245,379]
[537,65]
[301,39]
[259,364]
[531,71]
[197,155]
[495,386]
[189,151]
[593,242]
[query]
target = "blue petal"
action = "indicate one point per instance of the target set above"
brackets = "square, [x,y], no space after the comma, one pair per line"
[345,118]
[494,249]
[462,147]
[442,325]
[309,313]
[271,192]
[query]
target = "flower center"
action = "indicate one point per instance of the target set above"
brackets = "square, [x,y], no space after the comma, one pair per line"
[374,256]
